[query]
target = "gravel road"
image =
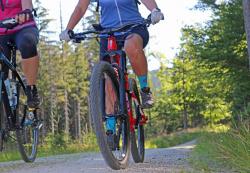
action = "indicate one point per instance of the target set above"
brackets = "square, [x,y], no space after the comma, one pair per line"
[162,160]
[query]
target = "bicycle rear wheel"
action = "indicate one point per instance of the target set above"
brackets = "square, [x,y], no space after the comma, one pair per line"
[27,132]
[137,134]
[105,101]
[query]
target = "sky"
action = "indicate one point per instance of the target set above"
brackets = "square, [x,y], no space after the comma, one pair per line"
[165,36]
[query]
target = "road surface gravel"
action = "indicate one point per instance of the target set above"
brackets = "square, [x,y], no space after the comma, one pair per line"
[162,160]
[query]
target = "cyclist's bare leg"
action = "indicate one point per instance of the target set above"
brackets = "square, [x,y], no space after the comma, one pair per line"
[30,69]
[111,98]
[134,49]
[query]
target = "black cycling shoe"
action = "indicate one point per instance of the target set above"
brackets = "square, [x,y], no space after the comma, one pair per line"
[33,99]
[147,98]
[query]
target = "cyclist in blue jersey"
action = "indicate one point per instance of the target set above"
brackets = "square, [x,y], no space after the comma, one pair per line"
[114,14]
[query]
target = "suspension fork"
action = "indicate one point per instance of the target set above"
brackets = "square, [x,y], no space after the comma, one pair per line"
[122,86]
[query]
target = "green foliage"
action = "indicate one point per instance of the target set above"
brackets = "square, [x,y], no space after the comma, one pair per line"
[229,149]
[57,144]
[56,141]
[60,144]
[172,140]
[208,82]
[9,156]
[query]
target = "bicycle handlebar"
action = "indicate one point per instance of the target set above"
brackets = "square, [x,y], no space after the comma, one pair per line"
[9,23]
[78,37]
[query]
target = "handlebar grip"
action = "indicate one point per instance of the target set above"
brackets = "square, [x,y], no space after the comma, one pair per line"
[71,34]
[162,17]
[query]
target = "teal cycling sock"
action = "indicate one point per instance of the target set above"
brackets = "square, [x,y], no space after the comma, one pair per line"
[111,124]
[143,80]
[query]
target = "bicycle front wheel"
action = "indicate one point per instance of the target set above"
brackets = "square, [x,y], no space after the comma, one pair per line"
[111,128]
[27,131]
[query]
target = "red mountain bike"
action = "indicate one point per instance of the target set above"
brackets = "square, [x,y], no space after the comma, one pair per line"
[115,105]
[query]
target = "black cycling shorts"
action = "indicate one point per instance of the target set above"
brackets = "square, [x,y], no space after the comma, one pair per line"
[26,41]
[140,30]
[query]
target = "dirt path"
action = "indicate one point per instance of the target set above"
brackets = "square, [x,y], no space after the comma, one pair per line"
[162,160]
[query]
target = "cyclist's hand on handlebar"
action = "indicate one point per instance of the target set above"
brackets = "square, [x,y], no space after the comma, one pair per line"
[24,16]
[65,35]
[156,16]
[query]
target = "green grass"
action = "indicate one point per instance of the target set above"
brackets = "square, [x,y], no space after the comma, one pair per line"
[9,156]
[225,150]
[165,141]
[56,145]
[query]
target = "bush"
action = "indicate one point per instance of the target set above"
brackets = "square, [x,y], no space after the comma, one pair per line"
[56,141]
[171,140]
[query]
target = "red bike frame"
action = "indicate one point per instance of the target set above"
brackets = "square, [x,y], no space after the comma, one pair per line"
[112,46]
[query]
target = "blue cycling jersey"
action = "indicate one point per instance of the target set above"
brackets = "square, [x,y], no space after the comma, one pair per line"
[115,13]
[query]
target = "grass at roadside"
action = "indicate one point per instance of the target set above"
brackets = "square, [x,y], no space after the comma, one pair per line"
[56,145]
[224,150]
[173,139]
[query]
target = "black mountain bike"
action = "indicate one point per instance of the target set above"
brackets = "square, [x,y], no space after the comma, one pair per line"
[18,122]
[115,107]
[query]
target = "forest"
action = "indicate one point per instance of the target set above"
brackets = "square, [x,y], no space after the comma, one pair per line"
[206,85]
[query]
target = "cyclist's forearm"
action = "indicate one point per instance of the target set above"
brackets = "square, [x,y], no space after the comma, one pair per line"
[150,4]
[78,13]
[27,4]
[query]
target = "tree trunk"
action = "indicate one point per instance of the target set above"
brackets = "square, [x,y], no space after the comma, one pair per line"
[66,112]
[52,109]
[246,11]
[44,127]
[78,119]
[89,116]
[52,96]
[75,119]
[185,115]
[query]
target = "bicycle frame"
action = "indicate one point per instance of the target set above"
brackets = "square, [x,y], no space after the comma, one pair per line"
[118,58]
[11,118]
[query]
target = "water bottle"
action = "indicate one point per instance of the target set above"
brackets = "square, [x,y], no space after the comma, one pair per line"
[7,85]
[11,91]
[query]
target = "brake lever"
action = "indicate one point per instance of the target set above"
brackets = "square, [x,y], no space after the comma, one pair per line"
[9,23]
[149,22]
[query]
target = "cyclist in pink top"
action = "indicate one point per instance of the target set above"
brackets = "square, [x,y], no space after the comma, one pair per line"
[25,37]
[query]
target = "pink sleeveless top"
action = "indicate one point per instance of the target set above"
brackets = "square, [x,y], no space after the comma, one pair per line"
[9,9]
